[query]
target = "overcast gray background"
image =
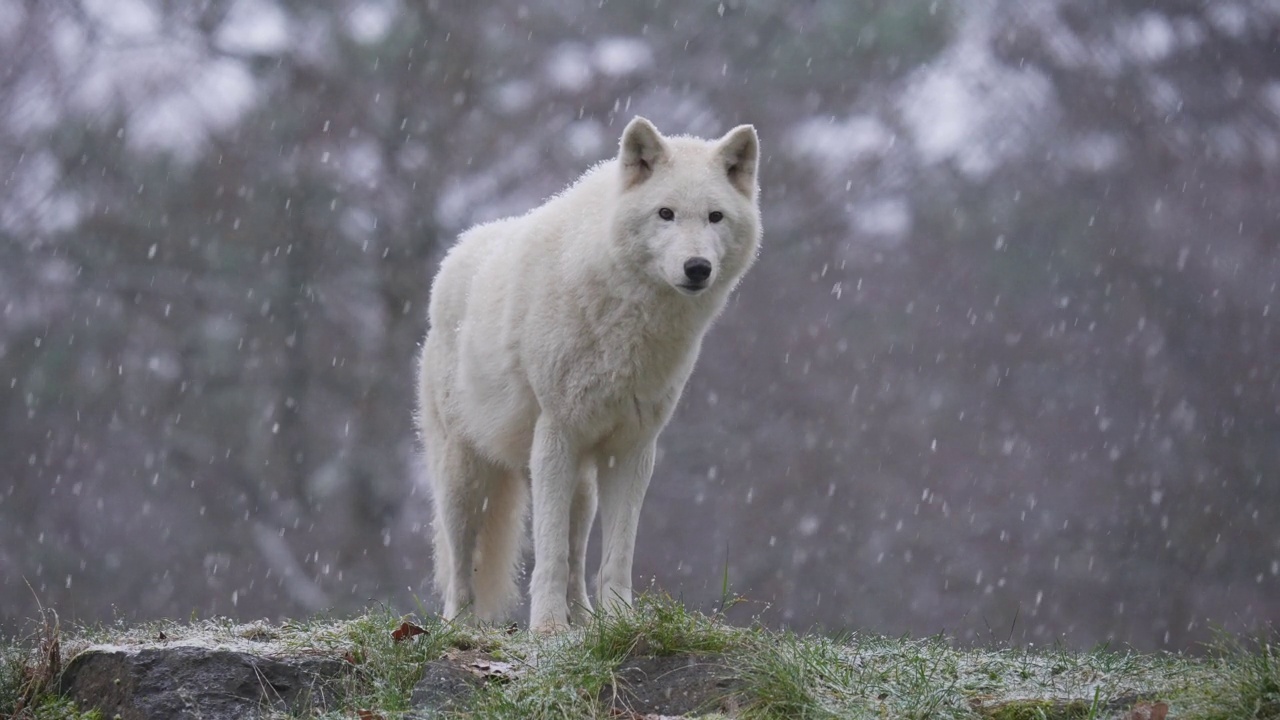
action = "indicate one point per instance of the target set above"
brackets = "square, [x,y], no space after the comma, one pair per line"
[1008,366]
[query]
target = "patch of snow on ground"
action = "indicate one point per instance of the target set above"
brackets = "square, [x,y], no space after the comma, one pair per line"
[256,638]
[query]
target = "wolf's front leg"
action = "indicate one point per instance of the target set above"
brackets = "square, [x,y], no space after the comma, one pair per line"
[553,465]
[582,515]
[622,489]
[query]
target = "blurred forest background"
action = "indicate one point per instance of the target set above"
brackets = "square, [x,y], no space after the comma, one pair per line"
[1009,366]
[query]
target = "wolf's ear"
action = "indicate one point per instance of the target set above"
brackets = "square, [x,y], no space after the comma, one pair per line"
[642,149]
[739,151]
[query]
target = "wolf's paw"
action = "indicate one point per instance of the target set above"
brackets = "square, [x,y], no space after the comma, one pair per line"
[548,612]
[549,627]
[580,612]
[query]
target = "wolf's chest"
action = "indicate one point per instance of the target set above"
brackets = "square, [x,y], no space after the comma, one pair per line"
[625,371]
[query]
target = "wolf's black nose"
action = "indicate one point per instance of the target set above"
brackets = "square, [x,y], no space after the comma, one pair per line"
[697,269]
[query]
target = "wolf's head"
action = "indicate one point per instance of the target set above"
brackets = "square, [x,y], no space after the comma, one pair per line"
[688,210]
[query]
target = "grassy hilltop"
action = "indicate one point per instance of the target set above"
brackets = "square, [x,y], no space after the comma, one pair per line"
[663,661]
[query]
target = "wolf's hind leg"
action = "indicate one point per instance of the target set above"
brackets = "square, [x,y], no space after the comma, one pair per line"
[502,513]
[461,482]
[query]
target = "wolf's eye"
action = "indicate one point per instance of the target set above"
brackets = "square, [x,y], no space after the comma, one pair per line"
[666,213]
[715,216]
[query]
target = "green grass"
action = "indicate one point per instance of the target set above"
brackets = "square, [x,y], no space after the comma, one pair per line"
[780,675]
[385,669]
[658,625]
[567,673]
[1248,681]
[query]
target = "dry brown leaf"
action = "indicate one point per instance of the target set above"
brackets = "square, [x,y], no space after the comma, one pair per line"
[369,715]
[1149,711]
[407,630]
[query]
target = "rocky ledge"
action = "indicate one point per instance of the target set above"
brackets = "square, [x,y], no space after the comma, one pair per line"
[199,682]
[185,682]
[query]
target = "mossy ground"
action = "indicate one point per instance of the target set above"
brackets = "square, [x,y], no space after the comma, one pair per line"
[777,675]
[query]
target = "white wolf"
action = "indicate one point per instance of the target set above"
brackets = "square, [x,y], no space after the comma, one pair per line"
[559,343]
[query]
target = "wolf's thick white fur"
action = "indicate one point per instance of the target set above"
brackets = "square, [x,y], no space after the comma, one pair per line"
[559,344]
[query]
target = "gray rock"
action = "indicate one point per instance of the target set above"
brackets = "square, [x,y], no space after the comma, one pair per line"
[196,682]
[672,685]
[445,685]
[449,683]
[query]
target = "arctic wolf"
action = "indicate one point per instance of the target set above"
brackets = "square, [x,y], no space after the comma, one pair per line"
[559,343]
